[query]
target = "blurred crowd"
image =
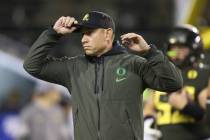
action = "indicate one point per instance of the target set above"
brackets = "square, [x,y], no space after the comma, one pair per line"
[47,115]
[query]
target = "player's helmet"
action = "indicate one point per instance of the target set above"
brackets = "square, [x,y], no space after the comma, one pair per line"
[188,36]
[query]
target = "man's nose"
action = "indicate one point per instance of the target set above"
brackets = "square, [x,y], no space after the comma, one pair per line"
[84,39]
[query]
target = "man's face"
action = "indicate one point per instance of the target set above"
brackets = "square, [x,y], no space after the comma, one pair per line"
[94,41]
[178,53]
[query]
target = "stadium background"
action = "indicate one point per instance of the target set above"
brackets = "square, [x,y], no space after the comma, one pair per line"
[23,20]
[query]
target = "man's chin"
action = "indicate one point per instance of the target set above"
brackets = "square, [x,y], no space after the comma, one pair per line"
[89,53]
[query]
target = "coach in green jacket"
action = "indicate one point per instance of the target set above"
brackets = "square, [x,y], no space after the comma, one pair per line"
[106,83]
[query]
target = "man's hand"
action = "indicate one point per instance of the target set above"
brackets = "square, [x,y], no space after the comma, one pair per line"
[135,42]
[178,99]
[64,25]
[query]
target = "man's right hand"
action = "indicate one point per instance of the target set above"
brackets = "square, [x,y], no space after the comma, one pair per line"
[64,25]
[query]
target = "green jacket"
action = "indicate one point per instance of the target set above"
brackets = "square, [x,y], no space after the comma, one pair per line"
[106,91]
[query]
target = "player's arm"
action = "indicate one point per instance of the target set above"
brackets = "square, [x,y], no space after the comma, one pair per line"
[180,100]
[150,117]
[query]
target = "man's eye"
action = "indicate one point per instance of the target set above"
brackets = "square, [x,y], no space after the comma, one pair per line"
[88,32]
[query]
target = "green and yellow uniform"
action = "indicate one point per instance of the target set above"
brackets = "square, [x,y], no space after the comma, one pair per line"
[174,124]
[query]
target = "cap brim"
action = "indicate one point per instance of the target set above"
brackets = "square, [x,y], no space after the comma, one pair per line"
[81,28]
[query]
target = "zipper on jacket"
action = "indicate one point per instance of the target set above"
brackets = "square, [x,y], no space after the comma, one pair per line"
[102,86]
[130,124]
[96,79]
[99,117]
[99,63]
[99,67]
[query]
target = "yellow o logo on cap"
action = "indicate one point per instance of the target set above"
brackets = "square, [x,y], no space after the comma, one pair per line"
[192,74]
[86,17]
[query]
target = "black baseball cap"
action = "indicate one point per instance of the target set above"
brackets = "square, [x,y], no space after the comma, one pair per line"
[94,20]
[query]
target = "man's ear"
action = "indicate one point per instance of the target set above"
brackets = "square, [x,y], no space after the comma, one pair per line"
[109,34]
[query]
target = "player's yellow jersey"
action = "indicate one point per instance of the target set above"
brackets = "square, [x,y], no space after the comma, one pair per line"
[166,114]
[195,79]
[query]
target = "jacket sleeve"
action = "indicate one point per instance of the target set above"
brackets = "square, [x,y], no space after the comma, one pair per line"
[40,65]
[158,72]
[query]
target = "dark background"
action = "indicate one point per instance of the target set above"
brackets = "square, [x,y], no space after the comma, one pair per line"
[24,20]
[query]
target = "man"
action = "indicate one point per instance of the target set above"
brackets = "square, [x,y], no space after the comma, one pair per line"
[105,82]
[43,118]
[180,114]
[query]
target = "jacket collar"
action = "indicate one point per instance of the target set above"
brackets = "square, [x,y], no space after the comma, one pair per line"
[116,49]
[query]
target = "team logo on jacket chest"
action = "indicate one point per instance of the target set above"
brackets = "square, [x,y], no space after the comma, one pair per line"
[121,74]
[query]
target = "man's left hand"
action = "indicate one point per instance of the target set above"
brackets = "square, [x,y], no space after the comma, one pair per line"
[135,42]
